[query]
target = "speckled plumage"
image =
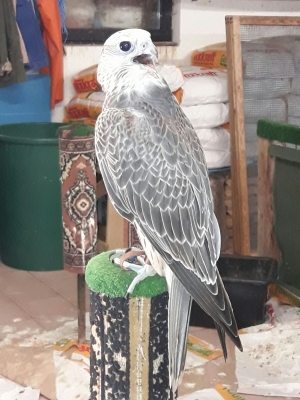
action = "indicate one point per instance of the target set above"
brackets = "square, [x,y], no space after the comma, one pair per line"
[155,174]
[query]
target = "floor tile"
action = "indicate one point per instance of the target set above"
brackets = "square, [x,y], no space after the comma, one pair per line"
[11,311]
[3,267]
[22,328]
[5,270]
[50,323]
[25,288]
[66,287]
[194,329]
[52,307]
[51,275]
[12,275]
[4,299]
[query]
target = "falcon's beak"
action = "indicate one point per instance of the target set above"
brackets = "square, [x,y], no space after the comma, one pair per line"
[145,59]
[148,57]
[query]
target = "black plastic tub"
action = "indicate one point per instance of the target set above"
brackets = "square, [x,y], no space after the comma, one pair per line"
[246,281]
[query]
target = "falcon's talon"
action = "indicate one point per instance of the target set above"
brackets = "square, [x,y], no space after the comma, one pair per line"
[137,263]
[141,260]
[143,273]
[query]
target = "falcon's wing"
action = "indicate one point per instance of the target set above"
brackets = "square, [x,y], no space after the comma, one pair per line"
[154,170]
[156,175]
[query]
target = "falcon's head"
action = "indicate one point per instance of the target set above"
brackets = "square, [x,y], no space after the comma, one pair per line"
[130,50]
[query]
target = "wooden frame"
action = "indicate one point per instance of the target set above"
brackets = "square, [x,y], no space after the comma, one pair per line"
[267,244]
[240,206]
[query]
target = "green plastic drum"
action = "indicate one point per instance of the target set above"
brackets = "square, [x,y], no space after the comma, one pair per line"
[30,199]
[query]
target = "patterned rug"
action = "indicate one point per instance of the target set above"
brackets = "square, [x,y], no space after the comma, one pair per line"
[78,179]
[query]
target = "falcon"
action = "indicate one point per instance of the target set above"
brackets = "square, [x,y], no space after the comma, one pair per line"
[156,177]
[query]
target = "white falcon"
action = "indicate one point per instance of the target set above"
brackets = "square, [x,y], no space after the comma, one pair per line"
[155,174]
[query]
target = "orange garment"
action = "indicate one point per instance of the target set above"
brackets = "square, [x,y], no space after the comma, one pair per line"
[50,18]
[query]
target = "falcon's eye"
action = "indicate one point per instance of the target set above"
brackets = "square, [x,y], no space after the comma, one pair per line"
[125,46]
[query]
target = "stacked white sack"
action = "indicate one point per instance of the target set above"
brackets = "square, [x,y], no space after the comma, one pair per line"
[267,69]
[205,103]
[203,86]
[207,115]
[216,146]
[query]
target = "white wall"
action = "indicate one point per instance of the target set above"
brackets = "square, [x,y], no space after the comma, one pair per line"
[203,21]
[197,24]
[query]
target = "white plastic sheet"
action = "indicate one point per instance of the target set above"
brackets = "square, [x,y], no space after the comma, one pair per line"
[10,390]
[205,394]
[270,363]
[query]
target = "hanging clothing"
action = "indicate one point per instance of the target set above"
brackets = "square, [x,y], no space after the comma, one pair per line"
[31,32]
[50,18]
[62,12]
[11,59]
[22,44]
[23,48]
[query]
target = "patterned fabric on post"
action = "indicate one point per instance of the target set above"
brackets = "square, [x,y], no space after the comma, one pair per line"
[78,180]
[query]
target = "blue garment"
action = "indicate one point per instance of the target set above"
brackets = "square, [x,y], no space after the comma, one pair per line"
[30,29]
[62,12]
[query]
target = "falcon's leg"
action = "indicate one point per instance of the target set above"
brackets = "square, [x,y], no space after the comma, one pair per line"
[137,262]
[143,273]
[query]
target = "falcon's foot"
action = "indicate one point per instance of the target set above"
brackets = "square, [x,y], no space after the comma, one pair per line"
[135,260]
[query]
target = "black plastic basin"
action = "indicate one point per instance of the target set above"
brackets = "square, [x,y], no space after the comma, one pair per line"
[246,280]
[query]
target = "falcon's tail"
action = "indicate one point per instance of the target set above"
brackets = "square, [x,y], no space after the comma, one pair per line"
[178,324]
[214,300]
[222,338]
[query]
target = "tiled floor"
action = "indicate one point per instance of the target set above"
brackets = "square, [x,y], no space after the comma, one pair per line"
[36,300]
[46,300]
[31,301]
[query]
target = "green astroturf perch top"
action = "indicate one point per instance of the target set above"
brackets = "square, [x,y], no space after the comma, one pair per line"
[102,276]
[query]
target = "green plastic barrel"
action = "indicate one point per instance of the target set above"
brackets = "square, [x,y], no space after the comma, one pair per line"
[30,197]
